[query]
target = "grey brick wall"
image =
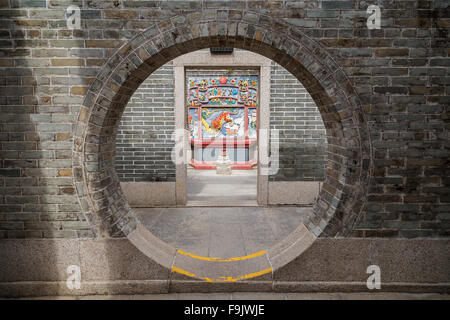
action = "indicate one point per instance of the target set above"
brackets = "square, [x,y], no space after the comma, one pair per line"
[399,72]
[144,142]
[302,135]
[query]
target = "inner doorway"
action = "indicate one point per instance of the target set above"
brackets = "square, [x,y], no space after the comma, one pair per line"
[222,215]
[222,105]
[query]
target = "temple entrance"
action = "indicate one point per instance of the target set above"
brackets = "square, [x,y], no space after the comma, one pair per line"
[222,112]
[103,200]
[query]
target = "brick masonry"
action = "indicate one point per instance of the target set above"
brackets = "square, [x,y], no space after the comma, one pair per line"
[144,138]
[144,143]
[385,105]
[302,134]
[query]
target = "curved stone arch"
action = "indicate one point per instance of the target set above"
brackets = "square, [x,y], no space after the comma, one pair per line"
[342,195]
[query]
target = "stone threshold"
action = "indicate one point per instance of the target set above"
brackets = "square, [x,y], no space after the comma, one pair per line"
[162,288]
[258,296]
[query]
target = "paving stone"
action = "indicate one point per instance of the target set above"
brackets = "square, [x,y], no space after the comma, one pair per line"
[204,296]
[257,296]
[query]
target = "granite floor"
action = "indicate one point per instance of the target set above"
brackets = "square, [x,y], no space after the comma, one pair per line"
[206,188]
[222,231]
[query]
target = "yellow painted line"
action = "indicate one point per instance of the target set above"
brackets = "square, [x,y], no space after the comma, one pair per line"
[222,279]
[187,273]
[246,276]
[253,255]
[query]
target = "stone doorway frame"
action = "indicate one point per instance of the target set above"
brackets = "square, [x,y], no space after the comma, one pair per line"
[238,59]
[344,191]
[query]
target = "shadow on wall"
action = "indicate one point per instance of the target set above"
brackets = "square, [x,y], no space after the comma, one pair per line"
[126,269]
[41,225]
[39,102]
[35,175]
[49,268]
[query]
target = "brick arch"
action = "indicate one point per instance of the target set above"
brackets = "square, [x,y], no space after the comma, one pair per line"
[341,198]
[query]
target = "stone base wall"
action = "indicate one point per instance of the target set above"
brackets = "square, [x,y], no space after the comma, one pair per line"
[293,192]
[149,194]
[39,268]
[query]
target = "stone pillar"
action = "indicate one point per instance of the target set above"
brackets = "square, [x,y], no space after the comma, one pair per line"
[264,125]
[180,146]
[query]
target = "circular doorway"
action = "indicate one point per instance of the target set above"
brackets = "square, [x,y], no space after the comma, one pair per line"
[343,192]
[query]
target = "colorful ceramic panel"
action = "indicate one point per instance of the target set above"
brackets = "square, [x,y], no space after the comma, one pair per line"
[223,122]
[223,91]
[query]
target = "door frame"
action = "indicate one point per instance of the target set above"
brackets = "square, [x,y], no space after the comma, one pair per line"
[239,58]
